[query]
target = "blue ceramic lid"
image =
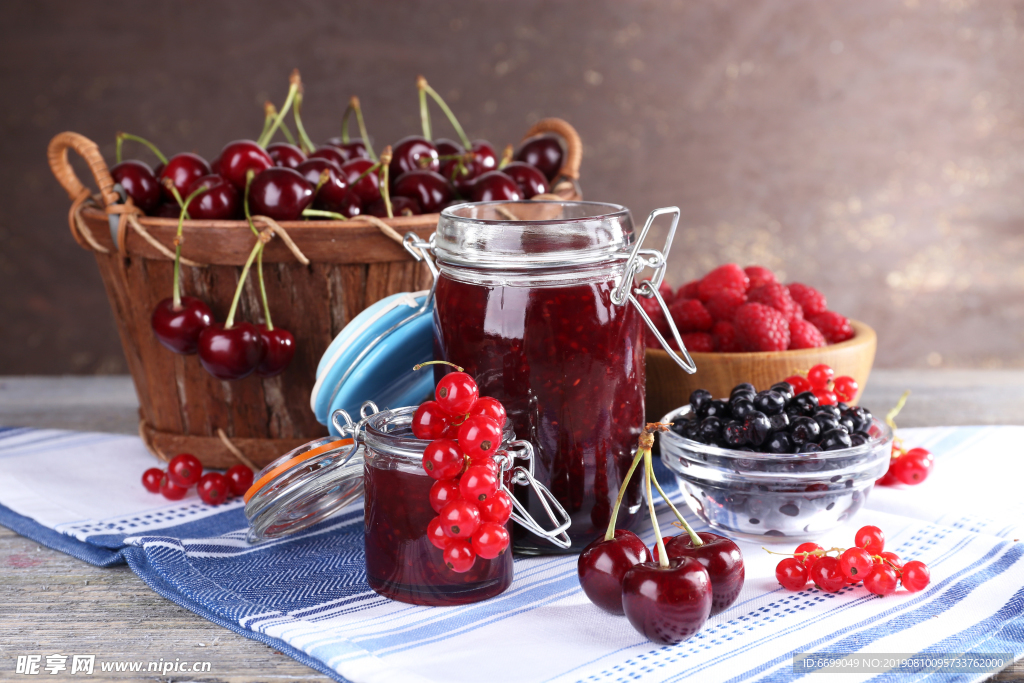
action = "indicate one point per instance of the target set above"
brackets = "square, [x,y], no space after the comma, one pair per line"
[372,358]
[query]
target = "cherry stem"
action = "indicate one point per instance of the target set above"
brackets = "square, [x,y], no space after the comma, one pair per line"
[696,540]
[269,113]
[437,362]
[344,123]
[258,247]
[649,471]
[263,291]
[890,417]
[610,533]
[422,84]
[121,137]
[325,214]
[305,143]
[506,157]
[424,112]
[321,181]
[354,103]
[249,175]
[177,248]
[372,169]
[385,162]
[177,197]
[293,87]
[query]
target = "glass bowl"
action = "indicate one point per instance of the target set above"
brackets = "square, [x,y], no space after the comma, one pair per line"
[768,495]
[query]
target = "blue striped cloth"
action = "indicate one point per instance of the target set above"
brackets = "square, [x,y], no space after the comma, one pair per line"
[308,597]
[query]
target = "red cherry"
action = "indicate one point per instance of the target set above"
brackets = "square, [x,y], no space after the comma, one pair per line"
[429,421]
[489,407]
[413,153]
[827,575]
[442,459]
[281,193]
[792,574]
[278,350]
[478,484]
[544,152]
[531,182]
[285,155]
[151,479]
[400,206]
[819,376]
[219,202]
[892,559]
[495,186]
[442,492]
[490,540]
[239,479]
[428,188]
[667,605]
[139,181]
[460,518]
[170,490]
[881,580]
[184,470]
[870,538]
[916,576]
[479,434]
[355,148]
[241,156]
[807,559]
[183,170]
[435,534]
[447,147]
[178,329]
[366,188]
[911,469]
[720,556]
[456,393]
[845,388]
[329,152]
[213,488]
[602,564]
[799,384]
[497,508]
[459,556]
[855,563]
[230,353]
[484,156]
[332,194]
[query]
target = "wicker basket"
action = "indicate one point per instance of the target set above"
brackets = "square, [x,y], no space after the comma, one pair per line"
[352,265]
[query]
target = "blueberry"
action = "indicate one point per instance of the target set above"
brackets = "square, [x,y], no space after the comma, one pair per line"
[741,406]
[699,400]
[866,435]
[743,388]
[809,447]
[779,442]
[679,425]
[858,439]
[785,389]
[842,406]
[770,402]
[829,410]
[734,434]
[835,440]
[711,430]
[757,427]
[691,430]
[779,422]
[825,422]
[846,422]
[804,430]
[860,417]
[719,409]
[804,404]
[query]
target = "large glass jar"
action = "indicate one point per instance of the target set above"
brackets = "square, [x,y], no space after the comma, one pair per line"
[526,302]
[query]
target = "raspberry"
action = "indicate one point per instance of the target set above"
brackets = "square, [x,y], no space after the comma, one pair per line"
[729,276]
[804,335]
[724,336]
[833,326]
[759,275]
[722,305]
[811,300]
[698,342]
[653,309]
[666,293]
[761,328]
[691,290]
[691,316]
[776,296]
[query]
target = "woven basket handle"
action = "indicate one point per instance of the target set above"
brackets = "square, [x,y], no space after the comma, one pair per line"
[57,154]
[573,144]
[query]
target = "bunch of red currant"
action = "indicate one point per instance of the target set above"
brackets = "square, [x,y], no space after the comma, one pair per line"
[907,467]
[867,561]
[822,382]
[465,432]
[185,471]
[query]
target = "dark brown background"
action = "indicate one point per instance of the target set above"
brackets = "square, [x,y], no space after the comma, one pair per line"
[871,148]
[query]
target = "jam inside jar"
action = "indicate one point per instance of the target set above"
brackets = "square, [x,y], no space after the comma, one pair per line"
[525,306]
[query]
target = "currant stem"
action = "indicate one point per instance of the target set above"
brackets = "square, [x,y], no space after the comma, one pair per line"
[610,533]
[649,471]
[385,162]
[362,128]
[437,362]
[890,417]
[294,81]
[121,137]
[325,214]
[425,87]
[305,143]
[258,247]
[421,84]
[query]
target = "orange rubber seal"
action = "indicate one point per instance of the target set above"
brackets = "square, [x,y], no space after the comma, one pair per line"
[272,474]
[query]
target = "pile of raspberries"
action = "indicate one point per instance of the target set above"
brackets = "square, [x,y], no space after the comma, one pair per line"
[747,309]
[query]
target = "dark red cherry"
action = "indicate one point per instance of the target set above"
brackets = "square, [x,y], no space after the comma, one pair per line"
[413,153]
[281,193]
[230,353]
[350,206]
[367,188]
[667,605]
[139,181]
[219,202]
[602,564]
[331,195]
[178,329]
[241,156]
[355,148]
[720,556]
[159,168]
[484,156]
[400,206]
[495,186]
[279,347]
[183,170]
[544,152]
[329,152]
[285,155]
[167,210]
[447,148]
[428,188]
[531,182]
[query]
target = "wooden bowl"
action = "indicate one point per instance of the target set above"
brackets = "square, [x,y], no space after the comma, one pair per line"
[669,386]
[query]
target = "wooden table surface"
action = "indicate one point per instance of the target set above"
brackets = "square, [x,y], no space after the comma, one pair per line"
[53,603]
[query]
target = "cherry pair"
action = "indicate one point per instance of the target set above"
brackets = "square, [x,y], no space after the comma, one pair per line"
[828,389]
[185,471]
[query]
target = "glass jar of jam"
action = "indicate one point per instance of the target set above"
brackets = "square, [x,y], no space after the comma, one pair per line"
[533,300]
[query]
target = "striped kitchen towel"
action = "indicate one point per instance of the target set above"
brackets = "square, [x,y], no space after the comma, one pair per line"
[307,596]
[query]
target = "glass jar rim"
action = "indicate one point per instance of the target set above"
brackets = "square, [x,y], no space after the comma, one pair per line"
[613,211]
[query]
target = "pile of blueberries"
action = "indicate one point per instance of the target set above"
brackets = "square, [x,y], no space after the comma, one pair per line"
[773,421]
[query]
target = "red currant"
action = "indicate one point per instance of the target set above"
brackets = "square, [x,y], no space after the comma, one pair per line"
[887,479]
[490,540]
[170,490]
[855,563]
[891,559]
[922,453]
[456,393]
[870,538]
[151,479]
[808,559]
[459,556]
[825,397]
[911,469]
[479,434]
[430,421]
[819,376]
[916,576]
[478,483]
[460,518]
[497,508]
[239,479]
[881,580]
[443,492]
[442,459]
[213,488]
[799,384]
[184,470]
[435,534]
[827,575]
[792,574]
[489,407]
[845,388]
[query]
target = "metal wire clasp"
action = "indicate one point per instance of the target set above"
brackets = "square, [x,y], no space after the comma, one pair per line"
[524,477]
[639,260]
[422,250]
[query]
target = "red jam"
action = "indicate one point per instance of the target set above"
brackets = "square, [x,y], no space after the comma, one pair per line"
[568,365]
[401,563]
